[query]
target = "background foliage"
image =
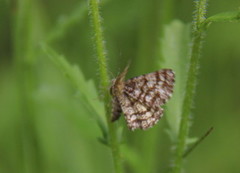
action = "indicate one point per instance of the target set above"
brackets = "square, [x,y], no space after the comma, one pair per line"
[51,110]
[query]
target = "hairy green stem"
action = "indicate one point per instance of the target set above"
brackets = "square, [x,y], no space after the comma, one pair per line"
[101,56]
[198,34]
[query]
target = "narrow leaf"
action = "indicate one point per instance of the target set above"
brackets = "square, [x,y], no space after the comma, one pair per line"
[231,16]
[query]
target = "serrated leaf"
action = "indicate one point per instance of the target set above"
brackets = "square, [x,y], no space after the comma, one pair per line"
[86,90]
[66,22]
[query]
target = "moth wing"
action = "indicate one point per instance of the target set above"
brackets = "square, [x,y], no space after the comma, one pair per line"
[139,115]
[116,109]
[152,89]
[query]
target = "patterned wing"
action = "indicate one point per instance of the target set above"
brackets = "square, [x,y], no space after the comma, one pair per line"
[116,109]
[139,115]
[151,90]
[140,98]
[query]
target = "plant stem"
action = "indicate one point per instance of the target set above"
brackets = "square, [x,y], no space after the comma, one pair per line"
[101,56]
[198,34]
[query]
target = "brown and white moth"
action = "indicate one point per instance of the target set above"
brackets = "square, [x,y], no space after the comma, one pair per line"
[140,98]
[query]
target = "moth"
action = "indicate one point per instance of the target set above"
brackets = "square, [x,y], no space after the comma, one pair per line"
[140,98]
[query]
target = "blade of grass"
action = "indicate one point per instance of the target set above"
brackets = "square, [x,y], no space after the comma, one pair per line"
[104,80]
[148,36]
[24,61]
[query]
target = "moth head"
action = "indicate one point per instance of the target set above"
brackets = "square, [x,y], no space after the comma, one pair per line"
[118,83]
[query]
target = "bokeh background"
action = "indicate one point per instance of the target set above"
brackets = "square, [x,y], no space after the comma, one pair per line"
[44,127]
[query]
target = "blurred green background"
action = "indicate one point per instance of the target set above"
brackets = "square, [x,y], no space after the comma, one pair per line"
[45,127]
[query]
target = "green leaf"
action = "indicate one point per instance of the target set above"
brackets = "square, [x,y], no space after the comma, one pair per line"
[86,90]
[230,16]
[66,22]
[191,140]
[175,52]
[69,21]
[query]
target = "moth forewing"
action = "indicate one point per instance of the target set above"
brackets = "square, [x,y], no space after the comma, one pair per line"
[140,98]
